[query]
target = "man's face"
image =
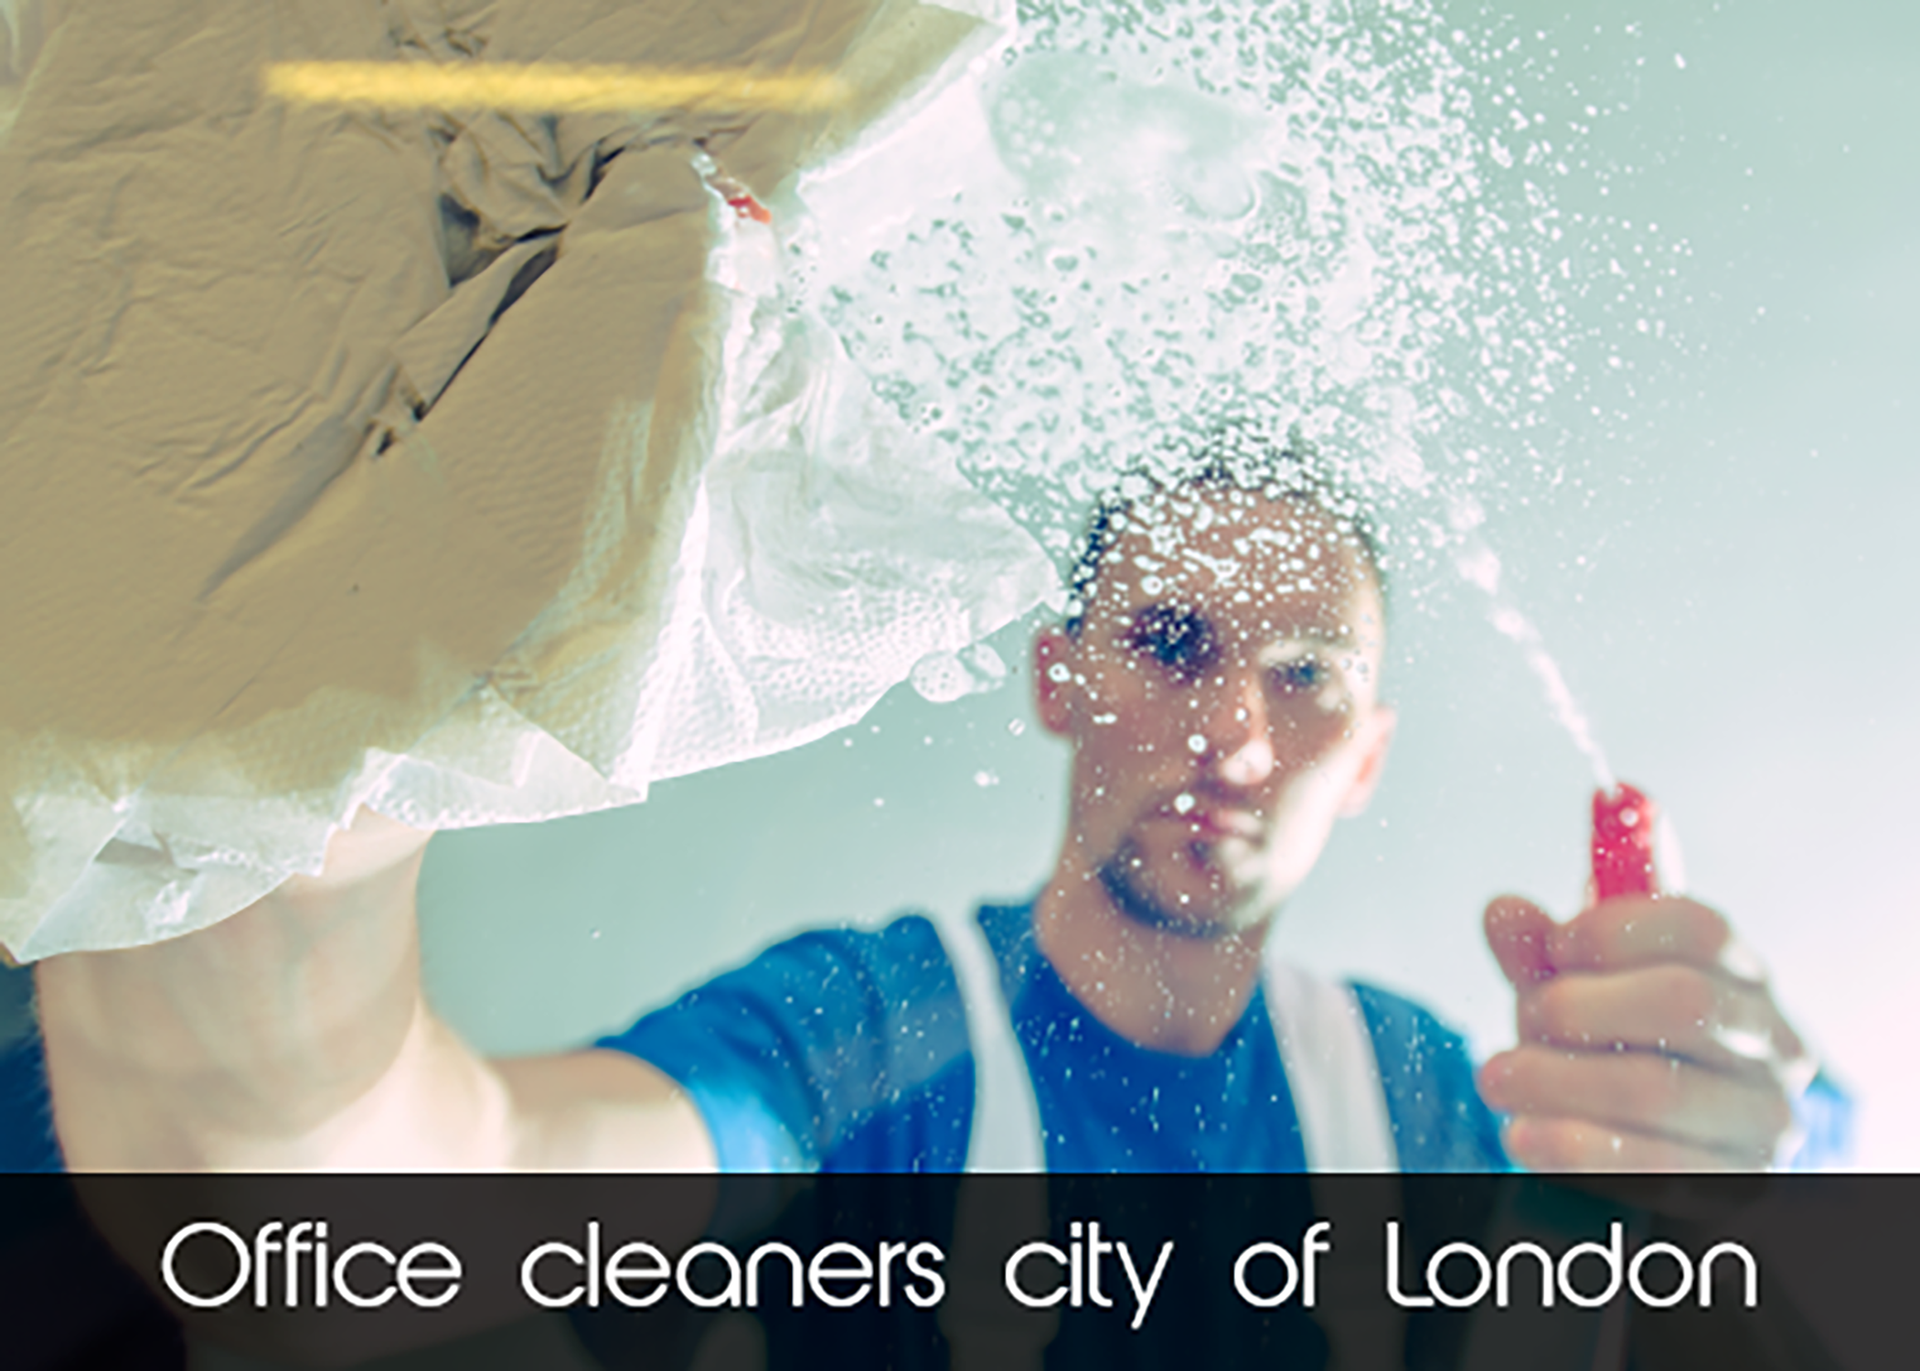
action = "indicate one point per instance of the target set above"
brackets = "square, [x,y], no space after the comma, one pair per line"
[1222,701]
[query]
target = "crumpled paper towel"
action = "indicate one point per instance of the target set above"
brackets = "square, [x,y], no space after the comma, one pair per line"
[471,466]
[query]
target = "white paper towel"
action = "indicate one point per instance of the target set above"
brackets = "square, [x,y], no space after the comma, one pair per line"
[475,467]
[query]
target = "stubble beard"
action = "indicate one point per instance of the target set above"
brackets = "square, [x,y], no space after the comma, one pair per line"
[1135,902]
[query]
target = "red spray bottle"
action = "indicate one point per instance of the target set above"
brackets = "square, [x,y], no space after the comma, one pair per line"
[1634,848]
[1624,820]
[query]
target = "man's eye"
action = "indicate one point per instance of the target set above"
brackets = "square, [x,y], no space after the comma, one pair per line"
[1179,640]
[1300,675]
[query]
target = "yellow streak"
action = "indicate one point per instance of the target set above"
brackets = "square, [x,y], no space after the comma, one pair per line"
[544,87]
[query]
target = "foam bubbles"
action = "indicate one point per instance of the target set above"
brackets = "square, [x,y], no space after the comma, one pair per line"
[1147,217]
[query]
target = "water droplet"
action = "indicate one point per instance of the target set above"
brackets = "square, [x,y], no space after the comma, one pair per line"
[1196,744]
[1182,803]
[1058,673]
[983,779]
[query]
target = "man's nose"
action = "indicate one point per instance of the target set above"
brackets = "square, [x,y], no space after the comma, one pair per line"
[1237,733]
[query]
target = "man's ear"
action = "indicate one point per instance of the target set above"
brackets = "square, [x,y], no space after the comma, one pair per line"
[1376,737]
[1053,700]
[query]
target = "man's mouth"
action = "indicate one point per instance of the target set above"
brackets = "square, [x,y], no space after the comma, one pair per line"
[1214,821]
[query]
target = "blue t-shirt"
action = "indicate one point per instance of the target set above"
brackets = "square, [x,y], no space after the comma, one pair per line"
[27,1141]
[846,1050]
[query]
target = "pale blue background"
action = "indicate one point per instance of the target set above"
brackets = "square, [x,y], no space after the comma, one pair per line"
[1739,630]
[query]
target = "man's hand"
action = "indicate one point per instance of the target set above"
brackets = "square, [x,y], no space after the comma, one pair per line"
[295,1035]
[229,1047]
[1645,1043]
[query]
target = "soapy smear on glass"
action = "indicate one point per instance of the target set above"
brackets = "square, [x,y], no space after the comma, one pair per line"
[943,677]
[1149,219]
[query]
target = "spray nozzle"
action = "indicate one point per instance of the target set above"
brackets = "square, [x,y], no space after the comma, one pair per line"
[1624,825]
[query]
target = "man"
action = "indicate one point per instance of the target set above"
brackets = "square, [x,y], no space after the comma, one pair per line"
[1219,685]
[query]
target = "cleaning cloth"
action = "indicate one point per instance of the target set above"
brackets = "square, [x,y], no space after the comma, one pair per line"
[473,464]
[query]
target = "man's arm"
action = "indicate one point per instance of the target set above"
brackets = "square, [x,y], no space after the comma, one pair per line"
[1644,1043]
[295,1036]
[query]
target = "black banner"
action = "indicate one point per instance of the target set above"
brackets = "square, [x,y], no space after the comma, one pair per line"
[1795,1273]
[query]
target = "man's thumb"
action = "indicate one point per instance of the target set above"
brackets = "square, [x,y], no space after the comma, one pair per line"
[1517,931]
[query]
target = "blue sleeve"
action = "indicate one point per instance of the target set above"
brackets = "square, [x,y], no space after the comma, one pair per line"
[812,1042]
[1824,1118]
[1439,1121]
[27,1141]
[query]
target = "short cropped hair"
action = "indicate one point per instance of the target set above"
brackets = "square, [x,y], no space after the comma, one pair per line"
[1231,457]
